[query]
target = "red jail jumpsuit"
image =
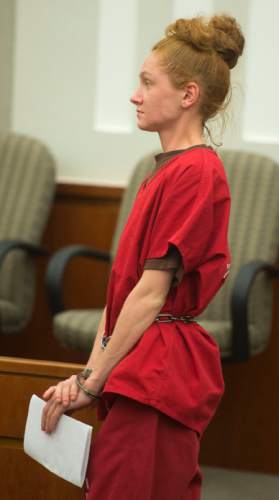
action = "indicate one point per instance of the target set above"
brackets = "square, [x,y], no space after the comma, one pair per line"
[159,399]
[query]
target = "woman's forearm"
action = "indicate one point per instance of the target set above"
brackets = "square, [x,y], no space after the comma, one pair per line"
[137,314]
[97,350]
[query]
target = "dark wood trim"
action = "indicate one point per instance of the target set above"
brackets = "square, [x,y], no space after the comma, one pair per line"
[35,367]
[88,192]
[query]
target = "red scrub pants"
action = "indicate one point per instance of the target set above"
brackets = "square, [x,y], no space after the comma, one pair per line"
[142,454]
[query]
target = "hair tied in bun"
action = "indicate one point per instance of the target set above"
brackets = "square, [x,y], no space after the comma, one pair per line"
[204,50]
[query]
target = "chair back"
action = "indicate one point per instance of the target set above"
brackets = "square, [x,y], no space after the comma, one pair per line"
[27,183]
[253,234]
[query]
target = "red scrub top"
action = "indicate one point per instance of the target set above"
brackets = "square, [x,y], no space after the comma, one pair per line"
[174,367]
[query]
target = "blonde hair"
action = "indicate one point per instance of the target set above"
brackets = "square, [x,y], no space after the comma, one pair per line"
[202,51]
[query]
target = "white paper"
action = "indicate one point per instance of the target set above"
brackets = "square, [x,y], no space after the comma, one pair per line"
[65,451]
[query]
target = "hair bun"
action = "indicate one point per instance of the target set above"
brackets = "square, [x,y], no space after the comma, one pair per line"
[228,40]
[221,33]
[191,31]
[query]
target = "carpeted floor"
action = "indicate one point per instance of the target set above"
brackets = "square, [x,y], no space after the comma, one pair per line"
[223,484]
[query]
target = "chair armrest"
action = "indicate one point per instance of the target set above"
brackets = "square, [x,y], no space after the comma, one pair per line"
[7,246]
[56,270]
[239,306]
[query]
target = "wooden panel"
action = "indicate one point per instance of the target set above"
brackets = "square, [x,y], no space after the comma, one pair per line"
[244,433]
[21,477]
[21,379]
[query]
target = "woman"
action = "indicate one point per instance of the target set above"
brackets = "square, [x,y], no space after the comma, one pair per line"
[154,372]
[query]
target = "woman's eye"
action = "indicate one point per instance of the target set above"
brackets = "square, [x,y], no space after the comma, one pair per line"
[147,82]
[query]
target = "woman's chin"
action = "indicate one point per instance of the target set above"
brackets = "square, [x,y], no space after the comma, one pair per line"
[145,126]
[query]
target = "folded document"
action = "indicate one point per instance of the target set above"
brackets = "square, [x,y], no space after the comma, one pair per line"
[65,451]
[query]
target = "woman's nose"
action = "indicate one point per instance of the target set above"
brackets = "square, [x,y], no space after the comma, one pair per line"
[136,98]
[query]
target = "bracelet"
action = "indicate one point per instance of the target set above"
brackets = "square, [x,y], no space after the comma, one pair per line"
[84,389]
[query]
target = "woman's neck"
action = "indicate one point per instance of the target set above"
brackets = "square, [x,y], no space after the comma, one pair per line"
[181,136]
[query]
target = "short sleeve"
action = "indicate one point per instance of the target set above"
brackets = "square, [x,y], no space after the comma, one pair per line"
[186,217]
[172,260]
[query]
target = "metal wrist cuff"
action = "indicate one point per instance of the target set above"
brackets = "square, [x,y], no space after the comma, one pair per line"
[84,389]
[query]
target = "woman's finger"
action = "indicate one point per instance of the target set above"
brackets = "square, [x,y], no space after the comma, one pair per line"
[54,416]
[65,394]
[66,390]
[74,389]
[48,393]
[51,416]
[59,392]
[45,412]
[48,412]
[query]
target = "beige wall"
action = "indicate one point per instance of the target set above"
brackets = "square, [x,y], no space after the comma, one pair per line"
[7,41]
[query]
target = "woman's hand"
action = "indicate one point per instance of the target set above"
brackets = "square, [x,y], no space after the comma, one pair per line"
[54,408]
[64,392]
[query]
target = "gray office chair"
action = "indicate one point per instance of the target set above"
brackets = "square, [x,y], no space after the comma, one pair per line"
[27,182]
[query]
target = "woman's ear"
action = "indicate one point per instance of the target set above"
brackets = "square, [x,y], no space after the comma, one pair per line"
[191,95]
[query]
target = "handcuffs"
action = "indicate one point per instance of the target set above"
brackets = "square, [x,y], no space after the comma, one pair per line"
[85,374]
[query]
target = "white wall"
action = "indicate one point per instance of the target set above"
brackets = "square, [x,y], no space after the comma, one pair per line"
[261,117]
[6,61]
[76,64]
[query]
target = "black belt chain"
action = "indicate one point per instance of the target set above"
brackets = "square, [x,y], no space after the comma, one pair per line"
[161,318]
[169,318]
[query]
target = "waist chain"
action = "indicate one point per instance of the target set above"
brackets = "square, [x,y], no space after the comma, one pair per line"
[160,318]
